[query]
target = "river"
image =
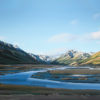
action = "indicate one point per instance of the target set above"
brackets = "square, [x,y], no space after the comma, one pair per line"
[24,78]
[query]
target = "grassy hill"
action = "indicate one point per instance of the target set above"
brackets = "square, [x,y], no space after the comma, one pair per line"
[93,60]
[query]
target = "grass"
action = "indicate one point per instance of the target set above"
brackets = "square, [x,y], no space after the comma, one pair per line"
[93,60]
[14,89]
[75,71]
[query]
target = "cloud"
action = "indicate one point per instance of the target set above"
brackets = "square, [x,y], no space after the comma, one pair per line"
[95,35]
[72,38]
[61,38]
[74,22]
[96,16]
[2,38]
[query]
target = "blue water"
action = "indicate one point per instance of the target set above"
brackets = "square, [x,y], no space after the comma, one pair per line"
[24,78]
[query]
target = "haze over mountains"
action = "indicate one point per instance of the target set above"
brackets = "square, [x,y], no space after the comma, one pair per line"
[10,54]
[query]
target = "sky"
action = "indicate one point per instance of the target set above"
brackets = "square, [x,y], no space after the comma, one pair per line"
[51,26]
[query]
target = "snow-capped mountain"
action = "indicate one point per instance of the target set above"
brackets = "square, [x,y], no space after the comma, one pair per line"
[10,54]
[72,57]
[42,58]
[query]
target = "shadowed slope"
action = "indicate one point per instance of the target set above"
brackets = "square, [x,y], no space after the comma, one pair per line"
[14,55]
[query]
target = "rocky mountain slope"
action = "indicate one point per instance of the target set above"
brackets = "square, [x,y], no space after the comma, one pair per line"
[10,54]
[93,60]
[44,59]
[72,57]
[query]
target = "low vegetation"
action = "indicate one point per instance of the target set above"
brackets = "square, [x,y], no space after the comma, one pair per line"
[14,89]
[93,60]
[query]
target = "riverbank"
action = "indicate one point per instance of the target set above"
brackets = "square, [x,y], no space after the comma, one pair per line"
[6,69]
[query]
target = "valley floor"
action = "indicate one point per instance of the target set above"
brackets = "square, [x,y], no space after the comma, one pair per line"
[6,69]
[50,97]
[12,92]
[15,92]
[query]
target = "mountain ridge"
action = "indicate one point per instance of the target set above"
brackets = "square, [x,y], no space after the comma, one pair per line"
[10,54]
[72,57]
[93,60]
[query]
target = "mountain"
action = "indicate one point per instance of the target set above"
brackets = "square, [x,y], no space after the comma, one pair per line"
[72,58]
[93,60]
[10,54]
[42,58]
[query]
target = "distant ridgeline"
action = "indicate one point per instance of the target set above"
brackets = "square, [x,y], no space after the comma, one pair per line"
[10,54]
[75,58]
[92,60]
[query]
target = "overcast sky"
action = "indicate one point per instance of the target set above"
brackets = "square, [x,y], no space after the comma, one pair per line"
[51,26]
